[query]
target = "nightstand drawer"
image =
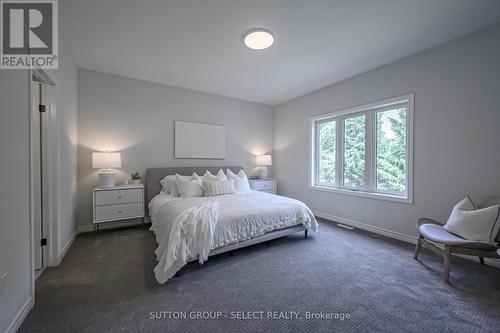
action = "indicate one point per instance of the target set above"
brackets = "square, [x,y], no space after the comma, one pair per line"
[118,212]
[113,197]
[268,185]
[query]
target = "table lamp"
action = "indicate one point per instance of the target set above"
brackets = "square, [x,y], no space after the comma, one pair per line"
[263,161]
[106,162]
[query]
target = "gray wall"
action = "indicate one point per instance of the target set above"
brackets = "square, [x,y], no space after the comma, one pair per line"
[14,203]
[137,118]
[67,134]
[457,136]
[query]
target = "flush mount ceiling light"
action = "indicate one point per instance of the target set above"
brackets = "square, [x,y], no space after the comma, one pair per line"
[258,39]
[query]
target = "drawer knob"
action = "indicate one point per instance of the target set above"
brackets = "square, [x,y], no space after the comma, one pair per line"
[119,197]
[119,212]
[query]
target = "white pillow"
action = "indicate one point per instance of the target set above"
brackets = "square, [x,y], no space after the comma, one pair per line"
[169,185]
[474,224]
[220,176]
[190,187]
[240,181]
[218,187]
[164,185]
[465,204]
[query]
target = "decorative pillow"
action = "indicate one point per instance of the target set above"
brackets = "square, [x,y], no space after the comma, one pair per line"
[218,187]
[240,181]
[164,185]
[465,204]
[474,224]
[169,185]
[210,177]
[190,187]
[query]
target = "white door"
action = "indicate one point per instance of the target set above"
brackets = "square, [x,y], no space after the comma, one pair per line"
[37,174]
[39,141]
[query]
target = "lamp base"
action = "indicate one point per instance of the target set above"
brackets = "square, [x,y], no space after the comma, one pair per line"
[263,172]
[107,178]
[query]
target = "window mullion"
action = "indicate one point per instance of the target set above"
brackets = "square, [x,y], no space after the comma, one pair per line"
[316,153]
[370,140]
[339,147]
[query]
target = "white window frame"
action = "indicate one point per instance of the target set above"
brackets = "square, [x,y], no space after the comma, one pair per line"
[369,189]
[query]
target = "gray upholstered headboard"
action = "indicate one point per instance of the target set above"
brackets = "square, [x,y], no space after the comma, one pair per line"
[154,175]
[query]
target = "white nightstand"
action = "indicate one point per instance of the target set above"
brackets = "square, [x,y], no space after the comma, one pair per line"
[118,203]
[263,185]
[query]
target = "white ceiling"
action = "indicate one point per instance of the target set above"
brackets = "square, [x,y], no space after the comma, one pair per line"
[197,44]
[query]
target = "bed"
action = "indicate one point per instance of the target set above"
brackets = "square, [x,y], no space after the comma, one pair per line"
[240,220]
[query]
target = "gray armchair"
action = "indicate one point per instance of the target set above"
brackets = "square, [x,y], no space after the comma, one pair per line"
[432,233]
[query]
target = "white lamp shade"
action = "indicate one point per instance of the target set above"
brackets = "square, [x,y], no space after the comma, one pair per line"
[263,160]
[106,160]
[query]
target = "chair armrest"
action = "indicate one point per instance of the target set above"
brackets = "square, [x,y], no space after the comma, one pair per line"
[424,220]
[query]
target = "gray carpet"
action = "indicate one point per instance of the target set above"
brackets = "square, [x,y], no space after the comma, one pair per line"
[106,284]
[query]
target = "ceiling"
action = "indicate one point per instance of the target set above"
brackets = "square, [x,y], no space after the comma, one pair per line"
[197,44]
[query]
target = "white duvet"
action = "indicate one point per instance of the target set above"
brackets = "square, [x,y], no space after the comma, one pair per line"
[189,228]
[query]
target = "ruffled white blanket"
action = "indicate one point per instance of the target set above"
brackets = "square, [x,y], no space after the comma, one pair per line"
[191,236]
[189,228]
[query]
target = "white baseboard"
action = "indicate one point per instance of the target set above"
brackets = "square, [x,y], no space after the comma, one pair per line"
[20,316]
[492,262]
[38,273]
[84,228]
[367,227]
[66,247]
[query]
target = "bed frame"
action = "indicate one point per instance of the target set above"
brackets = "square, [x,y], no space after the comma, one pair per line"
[153,187]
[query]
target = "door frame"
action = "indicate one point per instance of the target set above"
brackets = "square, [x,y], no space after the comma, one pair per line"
[52,155]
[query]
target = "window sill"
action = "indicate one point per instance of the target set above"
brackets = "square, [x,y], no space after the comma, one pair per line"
[371,195]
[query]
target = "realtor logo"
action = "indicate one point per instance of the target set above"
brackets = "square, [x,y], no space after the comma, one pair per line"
[29,34]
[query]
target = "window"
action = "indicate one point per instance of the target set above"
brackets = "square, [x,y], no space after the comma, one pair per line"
[391,150]
[354,151]
[327,132]
[365,151]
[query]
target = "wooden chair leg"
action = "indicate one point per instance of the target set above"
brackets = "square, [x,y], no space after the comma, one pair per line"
[418,246]
[481,260]
[446,257]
